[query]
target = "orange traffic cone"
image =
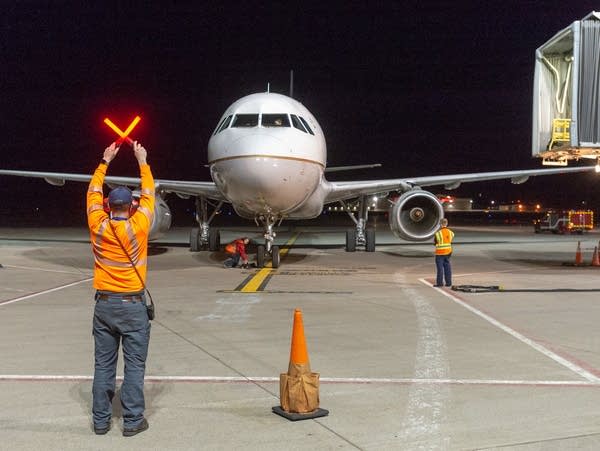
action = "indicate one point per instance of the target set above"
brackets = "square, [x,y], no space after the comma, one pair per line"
[299,387]
[578,256]
[595,258]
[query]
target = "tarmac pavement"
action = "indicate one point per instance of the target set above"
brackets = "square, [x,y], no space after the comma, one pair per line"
[403,365]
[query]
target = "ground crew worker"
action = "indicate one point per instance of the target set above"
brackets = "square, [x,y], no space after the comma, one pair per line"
[120,311]
[443,251]
[237,250]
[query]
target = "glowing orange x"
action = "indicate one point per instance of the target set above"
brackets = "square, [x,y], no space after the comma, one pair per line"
[123,134]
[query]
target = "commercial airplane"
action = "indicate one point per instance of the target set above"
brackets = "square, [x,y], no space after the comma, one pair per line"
[267,158]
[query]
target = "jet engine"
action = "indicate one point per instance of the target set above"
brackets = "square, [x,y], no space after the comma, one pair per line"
[162,219]
[416,215]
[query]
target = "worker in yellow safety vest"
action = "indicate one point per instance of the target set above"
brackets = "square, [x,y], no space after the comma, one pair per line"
[443,251]
[119,240]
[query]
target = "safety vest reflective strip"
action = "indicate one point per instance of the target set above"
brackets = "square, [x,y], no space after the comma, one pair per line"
[116,264]
[94,208]
[443,241]
[146,213]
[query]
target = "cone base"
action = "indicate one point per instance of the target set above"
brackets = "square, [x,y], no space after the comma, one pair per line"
[300,416]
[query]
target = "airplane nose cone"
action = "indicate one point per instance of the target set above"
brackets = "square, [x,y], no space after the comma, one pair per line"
[257,145]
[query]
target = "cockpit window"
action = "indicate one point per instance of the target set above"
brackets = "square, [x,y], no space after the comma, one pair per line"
[275,120]
[245,120]
[223,124]
[297,124]
[306,125]
[219,126]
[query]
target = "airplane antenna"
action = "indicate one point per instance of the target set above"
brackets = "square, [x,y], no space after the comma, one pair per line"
[291,83]
[268,88]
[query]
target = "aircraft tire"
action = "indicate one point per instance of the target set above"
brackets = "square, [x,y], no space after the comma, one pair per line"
[194,236]
[214,240]
[275,256]
[260,256]
[370,240]
[350,240]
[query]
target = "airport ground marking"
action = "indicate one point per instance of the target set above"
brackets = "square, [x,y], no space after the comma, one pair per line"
[325,380]
[39,293]
[32,268]
[258,282]
[533,344]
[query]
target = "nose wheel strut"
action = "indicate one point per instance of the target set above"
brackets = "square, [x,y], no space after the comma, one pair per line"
[268,251]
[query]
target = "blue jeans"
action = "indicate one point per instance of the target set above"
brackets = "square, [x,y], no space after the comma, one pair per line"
[235,259]
[444,270]
[116,321]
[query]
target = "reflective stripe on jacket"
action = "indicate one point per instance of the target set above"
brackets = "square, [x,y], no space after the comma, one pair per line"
[112,269]
[443,241]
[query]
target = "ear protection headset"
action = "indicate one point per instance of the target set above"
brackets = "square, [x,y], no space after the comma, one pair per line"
[135,203]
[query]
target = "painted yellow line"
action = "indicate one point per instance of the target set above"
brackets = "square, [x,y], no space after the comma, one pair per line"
[256,281]
[260,279]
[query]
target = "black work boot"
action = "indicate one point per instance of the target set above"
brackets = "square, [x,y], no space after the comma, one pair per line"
[128,432]
[102,430]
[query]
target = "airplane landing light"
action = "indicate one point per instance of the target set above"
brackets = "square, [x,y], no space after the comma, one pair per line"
[124,135]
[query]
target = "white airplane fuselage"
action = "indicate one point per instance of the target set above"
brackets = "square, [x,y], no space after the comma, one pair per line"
[267,156]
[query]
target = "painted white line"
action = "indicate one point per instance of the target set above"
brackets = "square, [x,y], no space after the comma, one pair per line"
[538,347]
[39,293]
[45,269]
[326,380]
[426,406]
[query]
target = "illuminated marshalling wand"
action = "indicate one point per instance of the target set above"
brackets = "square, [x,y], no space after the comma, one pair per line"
[124,135]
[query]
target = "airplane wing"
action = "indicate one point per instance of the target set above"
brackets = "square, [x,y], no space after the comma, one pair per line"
[337,191]
[180,187]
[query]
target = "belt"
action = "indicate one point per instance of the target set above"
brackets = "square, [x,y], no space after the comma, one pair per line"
[118,298]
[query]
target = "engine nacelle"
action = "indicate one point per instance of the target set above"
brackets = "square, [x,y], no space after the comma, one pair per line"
[416,215]
[162,219]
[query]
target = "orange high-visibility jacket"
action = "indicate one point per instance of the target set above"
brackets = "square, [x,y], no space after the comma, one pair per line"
[237,247]
[443,241]
[113,270]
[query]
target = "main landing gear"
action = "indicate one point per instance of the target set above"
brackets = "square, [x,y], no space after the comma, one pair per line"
[360,235]
[268,250]
[204,237]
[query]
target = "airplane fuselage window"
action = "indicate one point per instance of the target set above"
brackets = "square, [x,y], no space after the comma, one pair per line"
[297,124]
[245,120]
[224,124]
[275,120]
[306,125]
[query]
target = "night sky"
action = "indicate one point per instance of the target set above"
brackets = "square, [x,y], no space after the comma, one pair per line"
[428,88]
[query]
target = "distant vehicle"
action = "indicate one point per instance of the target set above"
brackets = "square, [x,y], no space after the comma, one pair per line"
[571,221]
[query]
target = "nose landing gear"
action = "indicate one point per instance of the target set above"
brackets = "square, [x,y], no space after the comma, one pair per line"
[268,251]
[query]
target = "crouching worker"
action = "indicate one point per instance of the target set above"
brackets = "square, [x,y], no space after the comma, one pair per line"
[120,246]
[236,251]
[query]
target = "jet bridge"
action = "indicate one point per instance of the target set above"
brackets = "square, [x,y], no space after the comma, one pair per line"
[566,94]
